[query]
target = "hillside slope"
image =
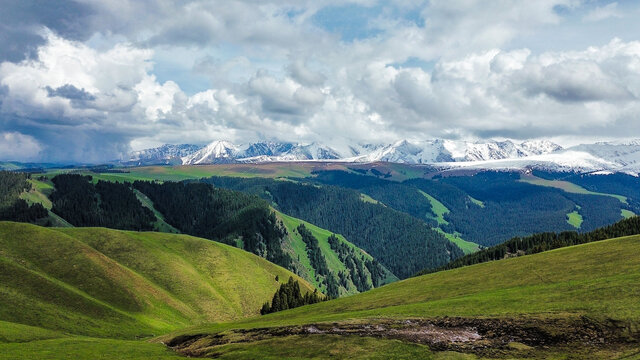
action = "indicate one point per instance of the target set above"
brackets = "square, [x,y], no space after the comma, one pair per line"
[549,296]
[351,262]
[109,283]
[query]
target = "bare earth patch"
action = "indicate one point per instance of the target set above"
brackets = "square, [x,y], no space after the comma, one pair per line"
[467,335]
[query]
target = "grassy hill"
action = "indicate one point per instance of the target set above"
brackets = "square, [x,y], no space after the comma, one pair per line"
[40,191]
[119,284]
[598,281]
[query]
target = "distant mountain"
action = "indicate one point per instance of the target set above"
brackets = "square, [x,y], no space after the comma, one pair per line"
[447,154]
[438,151]
[225,152]
[165,154]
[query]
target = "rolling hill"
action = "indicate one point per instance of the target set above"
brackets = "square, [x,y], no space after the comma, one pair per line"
[200,210]
[119,284]
[575,300]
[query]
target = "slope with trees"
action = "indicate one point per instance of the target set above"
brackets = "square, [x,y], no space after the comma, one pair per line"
[400,242]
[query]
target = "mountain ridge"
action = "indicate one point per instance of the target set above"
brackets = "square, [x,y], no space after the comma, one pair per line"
[604,157]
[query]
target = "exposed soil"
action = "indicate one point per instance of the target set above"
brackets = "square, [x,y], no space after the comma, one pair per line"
[478,336]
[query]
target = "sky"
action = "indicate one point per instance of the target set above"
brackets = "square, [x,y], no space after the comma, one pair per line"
[88,81]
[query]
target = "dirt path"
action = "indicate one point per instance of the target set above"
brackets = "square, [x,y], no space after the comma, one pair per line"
[478,336]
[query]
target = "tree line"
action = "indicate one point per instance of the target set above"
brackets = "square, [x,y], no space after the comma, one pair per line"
[289,296]
[537,243]
[400,242]
[109,204]
[12,208]
[318,261]
[364,273]
[222,215]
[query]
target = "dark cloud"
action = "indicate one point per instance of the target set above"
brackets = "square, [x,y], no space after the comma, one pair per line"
[22,20]
[70,92]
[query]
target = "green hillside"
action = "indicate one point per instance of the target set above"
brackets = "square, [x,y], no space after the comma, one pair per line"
[139,212]
[336,265]
[557,288]
[108,283]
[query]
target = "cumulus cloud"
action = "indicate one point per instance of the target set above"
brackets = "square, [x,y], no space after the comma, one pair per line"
[18,147]
[90,86]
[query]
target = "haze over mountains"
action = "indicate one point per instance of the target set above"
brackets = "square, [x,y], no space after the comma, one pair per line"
[490,154]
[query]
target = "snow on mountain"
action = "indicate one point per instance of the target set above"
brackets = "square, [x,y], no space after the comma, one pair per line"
[438,151]
[225,152]
[624,154]
[165,154]
[565,160]
[215,152]
[602,157]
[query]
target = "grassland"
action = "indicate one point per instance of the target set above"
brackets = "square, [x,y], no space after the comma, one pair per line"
[575,219]
[108,283]
[476,201]
[437,207]
[593,280]
[467,247]
[627,213]
[599,281]
[566,186]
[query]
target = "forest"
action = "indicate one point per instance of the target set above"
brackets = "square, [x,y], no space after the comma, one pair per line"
[397,240]
[109,204]
[537,243]
[509,207]
[222,215]
[12,208]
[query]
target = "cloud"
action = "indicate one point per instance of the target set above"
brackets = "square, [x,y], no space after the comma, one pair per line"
[18,147]
[115,73]
[603,12]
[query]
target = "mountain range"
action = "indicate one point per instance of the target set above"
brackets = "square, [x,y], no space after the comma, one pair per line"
[604,157]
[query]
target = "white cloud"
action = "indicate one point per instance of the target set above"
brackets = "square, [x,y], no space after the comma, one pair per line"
[603,12]
[18,147]
[276,74]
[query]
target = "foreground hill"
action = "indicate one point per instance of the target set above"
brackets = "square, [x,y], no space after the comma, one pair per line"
[575,300]
[121,284]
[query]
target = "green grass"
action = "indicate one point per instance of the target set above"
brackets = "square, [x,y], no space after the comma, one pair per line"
[186,172]
[440,210]
[575,219]
[87,348]
[17,333]
[323,347]
[477,202]
[108,283]
[331,257]
[368,199]
[593,279]
[566,186]
[467,247]
[627,213]
[160,224]
[437,207]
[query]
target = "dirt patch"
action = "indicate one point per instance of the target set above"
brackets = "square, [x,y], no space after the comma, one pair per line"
[478,336]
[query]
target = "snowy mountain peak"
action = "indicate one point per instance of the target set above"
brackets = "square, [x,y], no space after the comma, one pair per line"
[217,151]
[490,154]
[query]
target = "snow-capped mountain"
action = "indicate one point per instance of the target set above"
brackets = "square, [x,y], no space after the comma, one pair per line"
[225,152]
[165,154]
[446,154]
[215,153]
[438,151]
[624,154]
